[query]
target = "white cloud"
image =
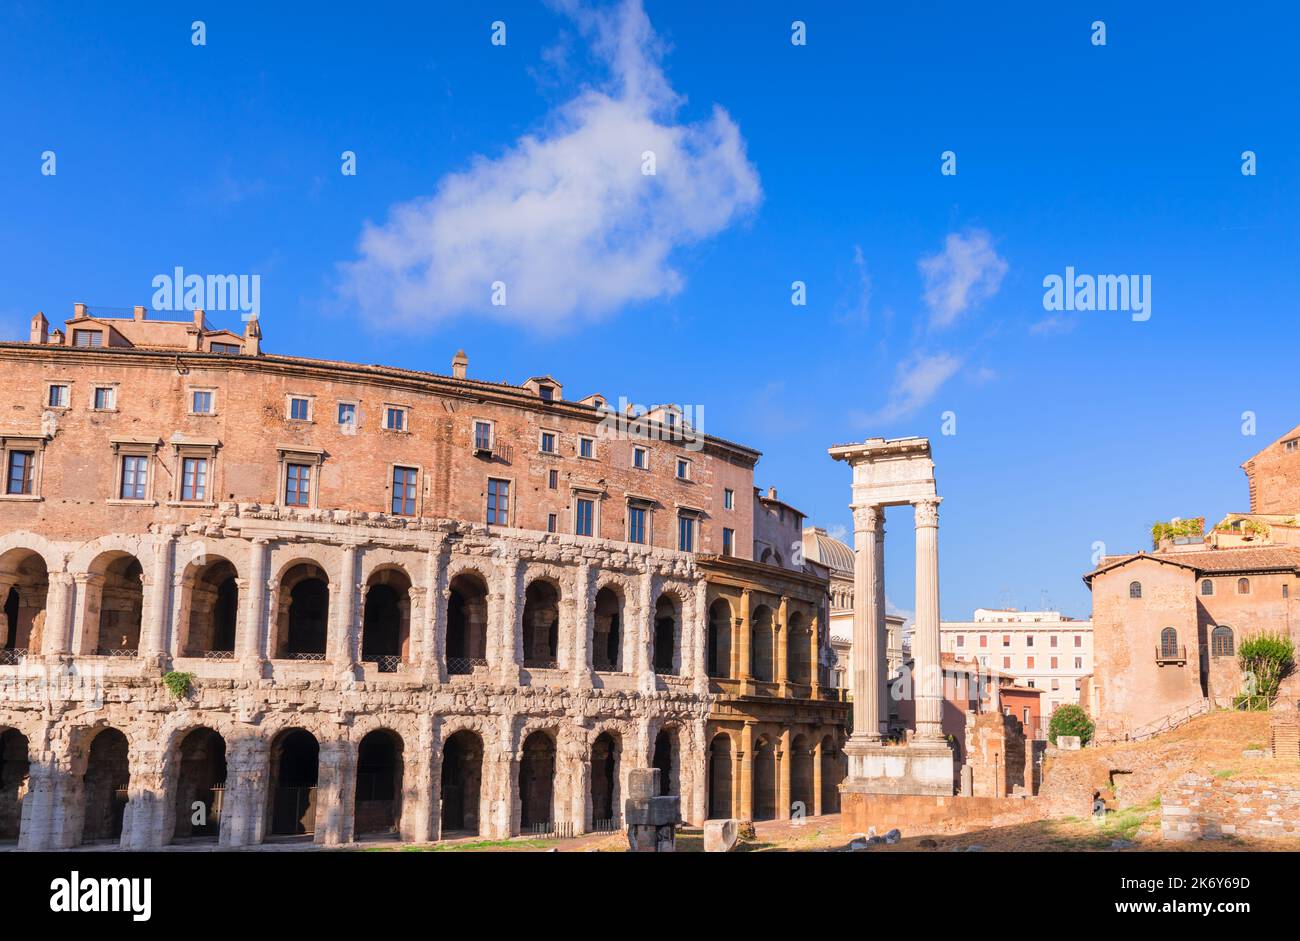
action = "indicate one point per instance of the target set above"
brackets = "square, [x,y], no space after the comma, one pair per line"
[966,272]
[838,532]
[917,381]
[565,217]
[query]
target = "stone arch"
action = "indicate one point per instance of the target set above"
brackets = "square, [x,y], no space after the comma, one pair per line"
[14,781]
[302,611]
[536,781]
[386,617]
[801,775]
[799,664]
[105,784]
[24,594]
[764,778]
[55,559]
[380,766]
[607,642]
[198,764]
[762,661]
[667,757]
[541,622]
[209,608]
[113,604]
[467,621]
[718,655]
[667,633]
[722,797]
[462,787]
[606,761]
[294,770]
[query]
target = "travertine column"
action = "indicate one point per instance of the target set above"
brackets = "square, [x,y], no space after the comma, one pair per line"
[254,628]
[584,623]
[335,793]
[781,646]
[645,627]
[814,656]
[142,823]
[35,831]
[509,644]
[343,645]
[243,817]
[433,630]
[817,777]
[882,628]
[927,684]
[784,768]
[152,644]
[867,520]
[746,777]
[57,637]
[744,661]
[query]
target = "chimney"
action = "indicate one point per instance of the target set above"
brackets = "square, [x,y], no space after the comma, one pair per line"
[139,312]
[252,337]
[199,321]
[78,311]
[40,328]
[459,363]
[771,493]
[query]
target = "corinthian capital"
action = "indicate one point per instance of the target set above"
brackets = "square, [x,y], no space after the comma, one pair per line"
[868,519]
[927,511]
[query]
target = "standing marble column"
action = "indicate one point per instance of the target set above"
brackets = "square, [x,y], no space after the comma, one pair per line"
[254,629]
[344,643]
[57,632]
[867,520]
[927,684]
[153,643]
[882,628]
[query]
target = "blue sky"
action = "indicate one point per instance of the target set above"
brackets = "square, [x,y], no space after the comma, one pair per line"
[818,163]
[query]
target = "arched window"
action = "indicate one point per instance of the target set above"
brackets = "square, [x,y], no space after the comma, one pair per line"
[1207,587]
[1243,586]
[1221,641]
[1135,589]
[1168,644]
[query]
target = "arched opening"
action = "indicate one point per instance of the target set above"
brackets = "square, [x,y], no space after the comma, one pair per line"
[1207,586]
[667,759]
[1168,644]
[720,789]
[801,777]
[467,613]
[213,594]
[604,783]
[719,651]
[120,603]
[108,775]
[831,774]
[607,632]
[13,782]
[760,644]
[462,777]
[303,621]
[200,785]
[541,625]
[295,764]
[1135,589]
[24,584]
[379,783]
[665,654]
[1243,586]
[537,784]
[386,620]
[1221,642]
[764,779]
[799,653]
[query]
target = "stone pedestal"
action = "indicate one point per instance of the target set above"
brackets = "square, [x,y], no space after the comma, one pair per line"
[919,768]
[651,819]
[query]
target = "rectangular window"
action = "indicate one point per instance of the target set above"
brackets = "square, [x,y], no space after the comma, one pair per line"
[1078,663]
[961,640]
[299,409]
[194,479]
[683,469]
[18,479]
[482,436]
[1029,640]
[104,398]
[553,479]
[636,524]
[548,442]
[498,502]
[135,474]
[1025,720]
[1006,663]
[551,522]
[586,447]
[87,338]
[984,640]
[201,402]
[58,396]
[584,518]
[404,491]
[395,418]
[1078,640]
[297,486]
[225,348]
[1029,663]
[728,499]
[1006,640]
[1054,662]
[1056,684]
[546,393]
[728,541]
[640,458]
[1053,640]
[686,533]
[348,414]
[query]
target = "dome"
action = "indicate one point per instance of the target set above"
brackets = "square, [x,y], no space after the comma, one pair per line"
[830,551]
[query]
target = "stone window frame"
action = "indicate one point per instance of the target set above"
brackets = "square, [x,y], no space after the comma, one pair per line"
[57,384]
[640,449]
[189,400]
[552,522]
[689,476]
[419,489]
[696,515]
[125,447]
[512,500]
[541,438]
[408,411]
[11,441]
[89,331]
[597,497]
[587,439]
[309,398]
[113,387]
[356,415]
[728,498]
[641,503]
[474,422]
[728,541]
[195,449]
[313,457]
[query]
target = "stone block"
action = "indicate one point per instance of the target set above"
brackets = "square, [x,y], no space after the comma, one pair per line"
[1069,742]
[721,836]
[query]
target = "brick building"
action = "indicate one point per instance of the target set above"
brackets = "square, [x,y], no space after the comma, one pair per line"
[1167,622]
[403,603]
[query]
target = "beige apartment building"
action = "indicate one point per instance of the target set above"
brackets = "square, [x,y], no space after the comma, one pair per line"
[1043,650]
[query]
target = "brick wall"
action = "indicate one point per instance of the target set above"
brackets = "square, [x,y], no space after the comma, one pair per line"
[1205,808]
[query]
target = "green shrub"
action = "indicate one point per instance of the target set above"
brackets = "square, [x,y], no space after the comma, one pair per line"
[178,684]
[1266,659]
[1070,719]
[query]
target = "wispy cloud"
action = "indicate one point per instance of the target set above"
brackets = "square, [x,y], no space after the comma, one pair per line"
[1052,323]
[565,218]
[856,306]
[966,272]
[917,381]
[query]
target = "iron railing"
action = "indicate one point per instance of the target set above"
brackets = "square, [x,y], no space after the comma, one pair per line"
[463,666]
[118,652]
[541,664]
[314,657]
[10,656]
[1171,655]
[218,655]
[549,830]
[611,825]
[387,663]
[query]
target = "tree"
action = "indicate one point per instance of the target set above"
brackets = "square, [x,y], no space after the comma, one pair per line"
[1266,659]
[1070,719]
